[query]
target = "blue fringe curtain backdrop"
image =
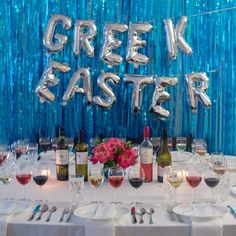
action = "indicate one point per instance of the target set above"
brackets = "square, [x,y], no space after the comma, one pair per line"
[212,37]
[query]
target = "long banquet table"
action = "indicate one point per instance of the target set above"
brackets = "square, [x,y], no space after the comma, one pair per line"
[151,194]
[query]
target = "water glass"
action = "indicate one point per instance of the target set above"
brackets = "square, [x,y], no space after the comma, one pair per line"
[76,185]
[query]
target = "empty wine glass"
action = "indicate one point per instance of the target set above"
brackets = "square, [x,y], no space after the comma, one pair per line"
[40,176]
[23,174]
[212,179]
[181,143]
[6,176]
[4,153]
[76,188]
[193,177]
[175,178]
[45,143]
[201,147]
[218,163]
[95,179]
[116,178]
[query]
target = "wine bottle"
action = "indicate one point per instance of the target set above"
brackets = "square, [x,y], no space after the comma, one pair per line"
[62,158]
[146,155]
[163,157]
[81,157]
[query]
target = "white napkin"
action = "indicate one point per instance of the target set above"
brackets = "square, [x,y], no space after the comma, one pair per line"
[102,212]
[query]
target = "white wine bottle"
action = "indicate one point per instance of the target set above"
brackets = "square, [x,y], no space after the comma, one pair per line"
[163,158]
[62,158]
[81,157]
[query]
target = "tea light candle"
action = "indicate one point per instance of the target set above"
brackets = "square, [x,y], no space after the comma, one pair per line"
[46,172]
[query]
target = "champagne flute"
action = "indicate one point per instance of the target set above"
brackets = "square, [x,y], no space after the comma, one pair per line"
[181,143]
[40,176]
[212,179]
[136,178]
[116,178]
[95,179]
[23,174]
[175,178]
[193,177]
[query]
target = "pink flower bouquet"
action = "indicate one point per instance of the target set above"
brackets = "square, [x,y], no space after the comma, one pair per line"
[114,153]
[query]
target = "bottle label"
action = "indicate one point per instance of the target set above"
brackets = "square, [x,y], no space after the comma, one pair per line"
[82,158]
[62,157]
[146,155]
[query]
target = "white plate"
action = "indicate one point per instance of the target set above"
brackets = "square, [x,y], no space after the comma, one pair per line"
[200,210]
[181,157]
[102,212]
[11,207]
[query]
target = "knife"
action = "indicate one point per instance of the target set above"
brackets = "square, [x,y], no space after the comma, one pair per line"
[232,211]
[36,209]
[70,214]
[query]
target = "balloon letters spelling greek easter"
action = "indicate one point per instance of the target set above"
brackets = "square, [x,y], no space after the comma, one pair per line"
[82,39]
[135,42]
[196,92]
[108,93]
[60,39]
[160,95]
[110,43]
[73,87]
[49,79]
[175,39]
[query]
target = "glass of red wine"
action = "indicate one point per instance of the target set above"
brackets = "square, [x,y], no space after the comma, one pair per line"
[21,147]
[23,174]
[212,179]
[44,143]
[4,153]
[193,177]
[115,178]
[136,178]
[40,176]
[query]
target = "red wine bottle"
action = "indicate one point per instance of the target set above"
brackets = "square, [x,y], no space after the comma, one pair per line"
[146,155]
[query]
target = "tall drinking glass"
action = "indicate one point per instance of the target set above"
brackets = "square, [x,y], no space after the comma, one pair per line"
[181,143]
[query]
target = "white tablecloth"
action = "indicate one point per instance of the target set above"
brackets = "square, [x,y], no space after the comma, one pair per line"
[152,194]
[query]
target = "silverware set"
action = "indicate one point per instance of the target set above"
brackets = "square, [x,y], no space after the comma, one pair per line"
[141,212]
[41,209]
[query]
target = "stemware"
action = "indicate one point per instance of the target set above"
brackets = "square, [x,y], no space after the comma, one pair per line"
[200,147]
[54,143]
[175,178]
[6,176]
[21,147]
[156,142]
[193,177]
[136,178]
[23,174]
[181,143]
[211,179]
[170,143]
[76,183]
[4,153]
[95,179]
[115,178]
[70,144]
[44,143]
[218,162]
[40,176]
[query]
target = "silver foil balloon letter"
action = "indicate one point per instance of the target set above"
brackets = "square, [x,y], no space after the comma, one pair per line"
[49,79]
[110,43]
[73,87]
[138,82]
[197,85]
[56,45]
[135,42]
[175,39]
[160,96]
[82,39]
[108,93]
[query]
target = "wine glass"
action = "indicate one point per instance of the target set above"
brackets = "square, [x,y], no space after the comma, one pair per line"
[4,153]
[218,162]
[136,178]
[193,177]
[212,179]
[95,179]
[70,143]
[54,143]
[115,178]
[76,187]
[21,147]
[40,176]
[181,143]
[170,143]
[175,178]
[6,176]
[201,147]
[44,143]
[32,153]
[23,174]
